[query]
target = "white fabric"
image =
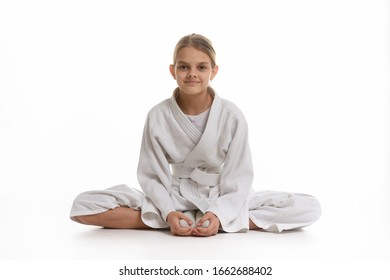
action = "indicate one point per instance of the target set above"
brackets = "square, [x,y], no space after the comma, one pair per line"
[98,201]
[170,138]
[199,121]
[181,169]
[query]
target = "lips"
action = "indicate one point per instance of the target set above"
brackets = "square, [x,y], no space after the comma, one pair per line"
[192,82]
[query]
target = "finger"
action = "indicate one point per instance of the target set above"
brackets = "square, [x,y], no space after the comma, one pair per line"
[182,216]
[185,222]
[182,231]
[204,223]
[199,231]
[180,225]
[176,220]
[196,232]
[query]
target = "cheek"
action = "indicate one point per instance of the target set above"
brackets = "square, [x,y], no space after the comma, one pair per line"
[180,76]
[209,76]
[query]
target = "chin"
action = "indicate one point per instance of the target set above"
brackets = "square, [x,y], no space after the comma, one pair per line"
[192,90]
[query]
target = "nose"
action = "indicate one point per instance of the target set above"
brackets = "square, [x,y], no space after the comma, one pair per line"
[191,74]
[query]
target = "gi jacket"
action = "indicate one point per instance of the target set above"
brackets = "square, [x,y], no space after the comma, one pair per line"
[182,169]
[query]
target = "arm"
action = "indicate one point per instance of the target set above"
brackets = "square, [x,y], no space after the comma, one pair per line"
[236,177]
[154,173]
[154,176]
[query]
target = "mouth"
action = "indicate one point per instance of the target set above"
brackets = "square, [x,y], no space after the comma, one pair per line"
[191,82]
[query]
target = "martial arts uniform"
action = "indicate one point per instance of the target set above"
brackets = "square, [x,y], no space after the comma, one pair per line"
[183,168]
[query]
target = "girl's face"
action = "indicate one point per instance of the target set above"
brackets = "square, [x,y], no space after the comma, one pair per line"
[193,71]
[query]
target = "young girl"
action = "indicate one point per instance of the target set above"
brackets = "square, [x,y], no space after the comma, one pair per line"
[195,165]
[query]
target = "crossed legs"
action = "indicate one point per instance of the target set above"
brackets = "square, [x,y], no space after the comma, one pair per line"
[122,218]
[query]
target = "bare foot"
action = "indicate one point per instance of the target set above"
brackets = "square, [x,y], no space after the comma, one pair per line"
[252,225]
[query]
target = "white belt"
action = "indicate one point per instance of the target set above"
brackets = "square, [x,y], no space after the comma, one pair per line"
[211,177]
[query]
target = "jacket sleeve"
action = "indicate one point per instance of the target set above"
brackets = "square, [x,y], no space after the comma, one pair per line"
[236,178]
[154,173]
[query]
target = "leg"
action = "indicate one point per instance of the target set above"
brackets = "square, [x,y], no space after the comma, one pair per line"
[120,217]
[116,207]
[277,211]
[252,225]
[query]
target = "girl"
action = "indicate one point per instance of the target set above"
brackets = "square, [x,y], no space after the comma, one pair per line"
[195,165]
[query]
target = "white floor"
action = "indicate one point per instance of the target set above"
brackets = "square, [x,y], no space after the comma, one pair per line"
[38,239]
[36,227]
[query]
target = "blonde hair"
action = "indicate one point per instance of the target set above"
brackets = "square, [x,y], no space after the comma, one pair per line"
[198,42]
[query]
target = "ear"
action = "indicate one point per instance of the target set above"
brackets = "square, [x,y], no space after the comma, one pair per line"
[172,70]
[214,72]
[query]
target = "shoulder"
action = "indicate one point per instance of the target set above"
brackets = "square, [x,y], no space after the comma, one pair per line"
[159,110]
[232,110]
[226,106]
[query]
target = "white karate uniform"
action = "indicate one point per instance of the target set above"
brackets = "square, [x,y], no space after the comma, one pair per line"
[180,168]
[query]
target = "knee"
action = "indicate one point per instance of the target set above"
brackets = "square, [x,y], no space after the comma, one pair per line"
[314,208]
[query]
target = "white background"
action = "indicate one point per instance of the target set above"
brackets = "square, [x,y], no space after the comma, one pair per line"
[78,77]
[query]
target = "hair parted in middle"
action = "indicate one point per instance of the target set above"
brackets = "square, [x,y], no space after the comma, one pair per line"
[198,42]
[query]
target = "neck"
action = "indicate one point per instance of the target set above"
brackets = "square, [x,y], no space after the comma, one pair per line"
[194,104]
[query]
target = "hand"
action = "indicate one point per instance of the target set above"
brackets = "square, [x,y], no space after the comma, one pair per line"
[212,229]
[173,219]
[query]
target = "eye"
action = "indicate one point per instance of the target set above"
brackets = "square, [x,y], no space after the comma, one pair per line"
[182,67]
[202,67]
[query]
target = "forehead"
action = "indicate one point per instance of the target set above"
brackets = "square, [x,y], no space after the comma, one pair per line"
[192,55]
